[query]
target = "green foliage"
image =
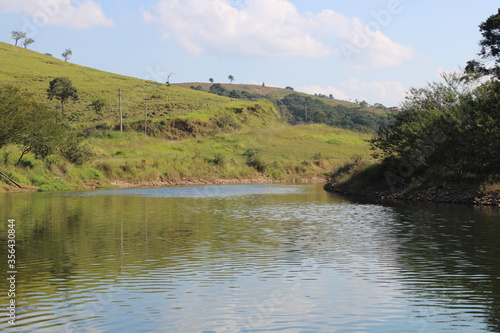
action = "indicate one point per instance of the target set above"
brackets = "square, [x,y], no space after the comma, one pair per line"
[254,160]
[299,109]
[75,150]
[450,128]
[490,44]
[98,106]
[27,123]
[219,159]
[61,88]
[489,53]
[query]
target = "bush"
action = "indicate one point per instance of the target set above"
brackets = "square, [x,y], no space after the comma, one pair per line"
[76,151]
[254,160]
[105,167]
[219,159]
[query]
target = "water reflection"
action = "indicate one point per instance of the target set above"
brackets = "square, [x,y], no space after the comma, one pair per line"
[256,258]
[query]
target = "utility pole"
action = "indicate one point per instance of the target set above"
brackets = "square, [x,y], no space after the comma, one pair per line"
[146,115]
[120,107]
[306,107]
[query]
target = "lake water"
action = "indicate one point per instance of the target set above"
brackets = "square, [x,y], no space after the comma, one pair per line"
[248,258]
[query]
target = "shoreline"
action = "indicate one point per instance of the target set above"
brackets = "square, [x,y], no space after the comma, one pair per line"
[122,184]
[429,194]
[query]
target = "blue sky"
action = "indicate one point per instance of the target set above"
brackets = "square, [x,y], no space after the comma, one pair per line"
[365,50]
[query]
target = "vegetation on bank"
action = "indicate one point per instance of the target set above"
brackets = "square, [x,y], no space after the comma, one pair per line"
[447,134]
[61,131]
[281,152]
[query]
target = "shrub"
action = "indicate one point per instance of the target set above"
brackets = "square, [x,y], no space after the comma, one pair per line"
[254,160]
[219,159]
[76,151]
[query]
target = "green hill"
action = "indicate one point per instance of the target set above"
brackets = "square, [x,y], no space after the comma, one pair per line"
[33,71]
[192,136]
[273,93]
[300,108]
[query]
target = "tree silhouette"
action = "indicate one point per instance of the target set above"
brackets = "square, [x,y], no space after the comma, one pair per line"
[18,35]
[27,42]
[67,54]
[231,78]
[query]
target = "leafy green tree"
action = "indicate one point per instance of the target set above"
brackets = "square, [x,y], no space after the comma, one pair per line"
[27,123]
[61,88]
[450,129]
[490,49]
[17,35]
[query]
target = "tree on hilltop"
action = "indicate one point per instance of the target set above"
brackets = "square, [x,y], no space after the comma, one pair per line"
[28,41]
[231,78]
[67,54]
[17,35]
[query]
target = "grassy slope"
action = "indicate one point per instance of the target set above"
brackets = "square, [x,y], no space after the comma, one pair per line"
[277,93]
[289,152]
[33,71]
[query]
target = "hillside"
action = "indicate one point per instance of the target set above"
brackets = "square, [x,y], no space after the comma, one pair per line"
[33,71]
[192,136]
[275,93]
[299,108]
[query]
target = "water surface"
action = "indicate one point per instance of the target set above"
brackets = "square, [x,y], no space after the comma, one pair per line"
[249,258]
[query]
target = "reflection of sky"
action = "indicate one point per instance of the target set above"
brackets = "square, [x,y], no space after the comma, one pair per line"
[303,263]
[199,191]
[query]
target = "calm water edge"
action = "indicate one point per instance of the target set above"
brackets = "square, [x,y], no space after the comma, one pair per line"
[248,258]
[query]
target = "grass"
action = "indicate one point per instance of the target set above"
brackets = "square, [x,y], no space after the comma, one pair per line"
[33,71]
[288,153]
[192,136]
[276,93]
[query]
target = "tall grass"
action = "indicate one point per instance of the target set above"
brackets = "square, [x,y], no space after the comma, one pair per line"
[280,153]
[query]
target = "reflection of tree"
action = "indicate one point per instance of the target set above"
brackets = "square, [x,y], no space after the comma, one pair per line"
[454,255]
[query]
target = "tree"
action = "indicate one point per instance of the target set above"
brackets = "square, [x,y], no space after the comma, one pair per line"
[61,88]
[490,49]
[231,78]
[449,129]
[67,54]
[490,44]
[98,106]
[27,123]
[28,41]
[218,89]
[211,80]
[168,78]
[18,35]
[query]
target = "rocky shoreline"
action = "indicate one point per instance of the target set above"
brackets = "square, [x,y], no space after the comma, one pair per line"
[436,194]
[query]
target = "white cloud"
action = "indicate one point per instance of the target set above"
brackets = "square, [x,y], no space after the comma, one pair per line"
[358,43]
[389,93]
[272,28]
[72,14]
[257,28]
